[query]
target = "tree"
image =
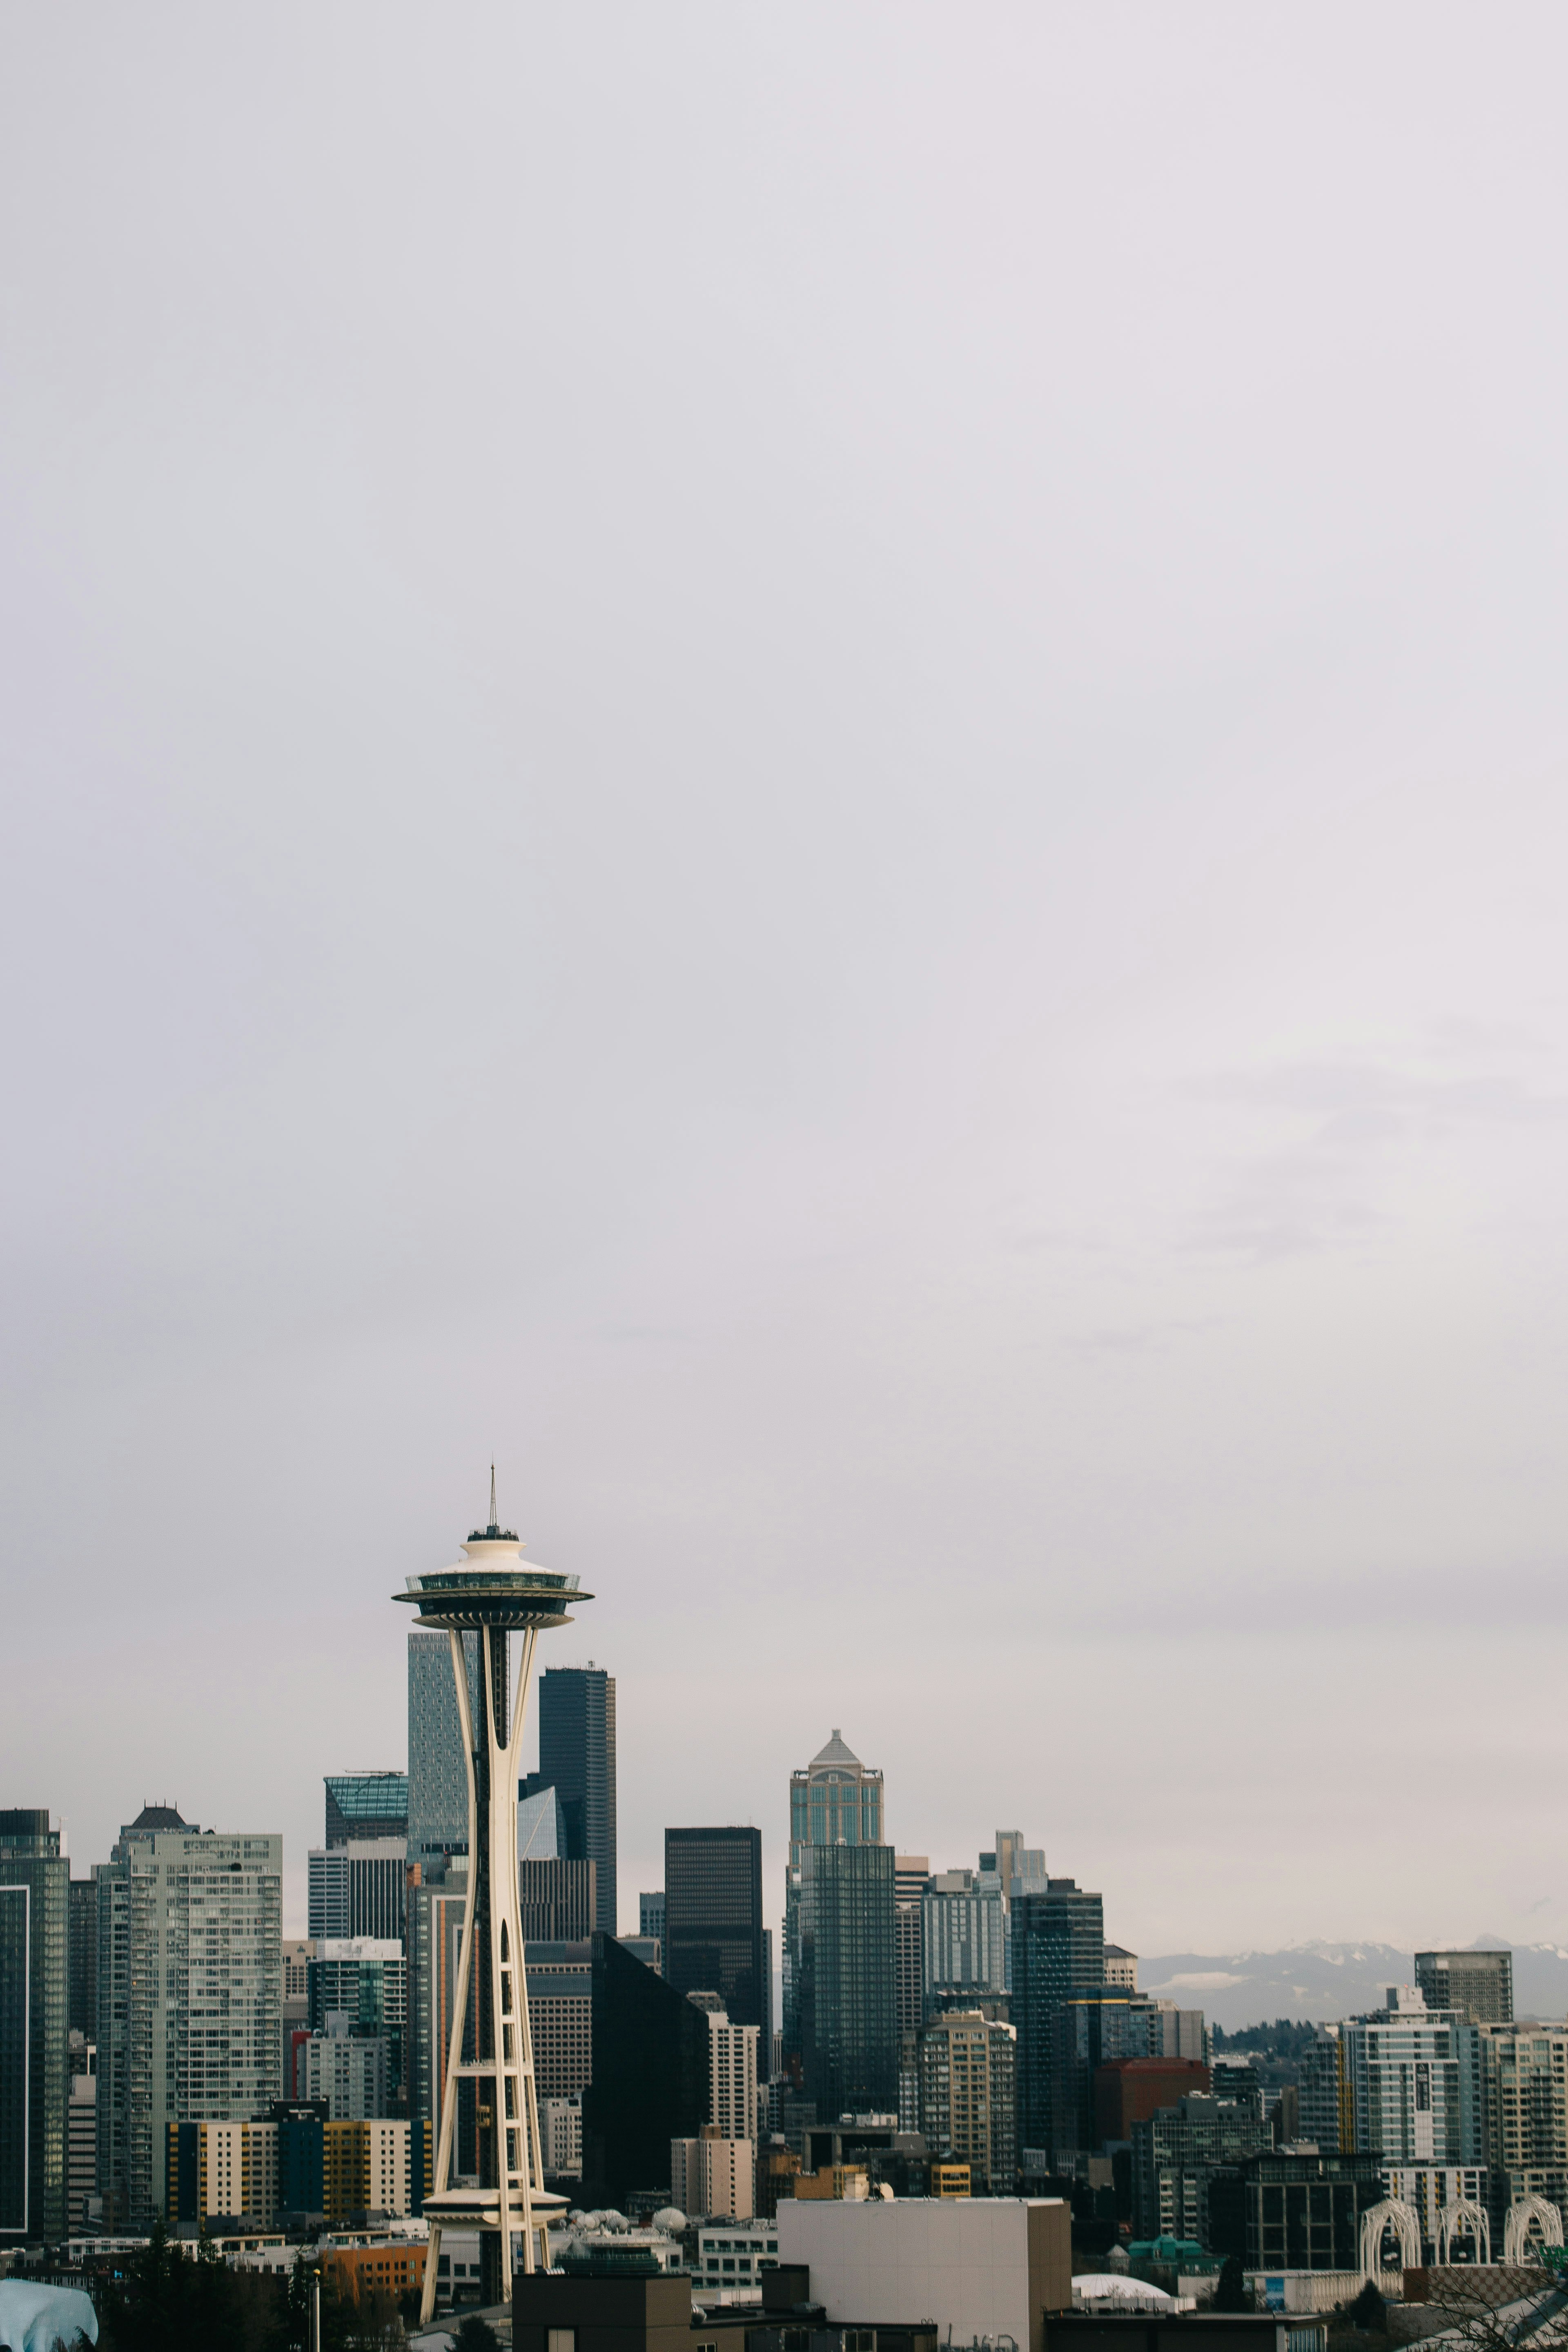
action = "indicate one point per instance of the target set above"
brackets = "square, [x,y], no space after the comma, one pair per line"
[477,2335]
[1230,2290]
[1368,2309]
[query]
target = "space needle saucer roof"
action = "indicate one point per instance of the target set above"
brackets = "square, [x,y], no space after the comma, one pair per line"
[491,1585]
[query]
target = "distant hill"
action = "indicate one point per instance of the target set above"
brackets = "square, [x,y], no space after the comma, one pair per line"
[1329,1981]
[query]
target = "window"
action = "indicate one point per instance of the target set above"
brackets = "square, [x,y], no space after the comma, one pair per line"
[561,2339]
[859,2339]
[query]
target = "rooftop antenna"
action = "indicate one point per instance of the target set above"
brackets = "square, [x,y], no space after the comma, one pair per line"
[495,1523]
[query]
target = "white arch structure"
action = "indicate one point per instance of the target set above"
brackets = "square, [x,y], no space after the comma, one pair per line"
[1464,2218]
[1391,2214]
[1516,2227]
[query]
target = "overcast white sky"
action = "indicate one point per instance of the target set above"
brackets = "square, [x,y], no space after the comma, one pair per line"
[804,764]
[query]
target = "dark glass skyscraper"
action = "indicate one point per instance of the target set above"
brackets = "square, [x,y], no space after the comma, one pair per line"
[836,1801]
[577,1759]
[35,1997]
[651,2081]
[1059,1947]
[847,1980]
[713,1922]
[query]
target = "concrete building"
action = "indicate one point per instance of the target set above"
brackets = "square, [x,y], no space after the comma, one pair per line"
[561,2129]
[713,1938]
[189,1995]
[835,1801]
[349,2073]
[732,2077]
[1414,2077]
[81,2137]
[1129,2090]
[732,2261]
[358,1888]
[1058,1941]
[911,1875]
[1478,1983]
[713,2175]
[1101,2025]
[968,2113]
[981,2268]
[560,2016]
[1121,1967]
[963,1938]
[361,1982]
[1524,2112]
[293,2160]
[1176,2155]
[34,2011]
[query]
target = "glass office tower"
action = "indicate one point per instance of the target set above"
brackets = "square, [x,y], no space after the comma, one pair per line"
[713,1921]
[1059,1947]
[366,1805]
[437,1798]
[836,1801]
[35,2003]
[847,1980]
[577,1759]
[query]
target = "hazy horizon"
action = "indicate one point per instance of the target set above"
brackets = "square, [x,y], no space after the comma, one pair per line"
[807,770]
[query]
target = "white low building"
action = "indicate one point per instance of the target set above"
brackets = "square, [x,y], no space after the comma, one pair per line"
[977,2266]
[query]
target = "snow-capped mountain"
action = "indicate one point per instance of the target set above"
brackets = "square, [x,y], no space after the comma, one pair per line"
[1329,1981]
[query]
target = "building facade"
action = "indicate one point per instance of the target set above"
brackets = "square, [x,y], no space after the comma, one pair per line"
[358,1985]
[349,2074]
[651,2081]
[558,1899]
[366,1805]
[1177,2154]
[963,1938]
[358,1888]
[1325,2111]
[846,1979]
[437,1769]
[835,1801]
[577,1759]
[1524,2112]
[968,2111]
[83,1942]
[560,2016]
[1292,2210]
[1057,1940]
[712,1937]
[1414,2077]
[189,1995]
[1478,1983]
[34,2013]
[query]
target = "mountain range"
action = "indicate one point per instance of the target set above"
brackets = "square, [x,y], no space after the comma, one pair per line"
[1329,1981]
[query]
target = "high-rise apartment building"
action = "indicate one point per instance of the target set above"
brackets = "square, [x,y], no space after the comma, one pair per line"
[1524,2107]
[359,1984]
[363,1805]
[1059,1949]
[81,2137]
[577,1759]
[437,1769]
[836,1801]
[1324,2110]
[1480,1983]
[911,1875]
[964,1939]
[358,1888]
[351,2073]
[34,2009]
[189,1995]
[732,2076]
[1021,1868]
[846,1979]
[713,1920]
[1414,2081]
[1176,2154]
[967,2104]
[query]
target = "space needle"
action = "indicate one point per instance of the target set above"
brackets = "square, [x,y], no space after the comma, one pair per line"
[493,1593]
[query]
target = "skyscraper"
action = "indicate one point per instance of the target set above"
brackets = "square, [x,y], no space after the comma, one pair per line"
[651,2076]
[967,2109]
[366,1805]
[845,1980]
[84,1958]
[360,1888]
[438,1767]
[836,1800]
[964,1939]
[1059,1947]
[713,1920]
[577,1759]
[190,1990]
[1479,1982]
[34,2002]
